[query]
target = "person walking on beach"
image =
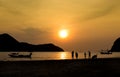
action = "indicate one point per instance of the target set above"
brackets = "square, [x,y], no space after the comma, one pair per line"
[85,55]
[76,54]
[72,54]
[89,54]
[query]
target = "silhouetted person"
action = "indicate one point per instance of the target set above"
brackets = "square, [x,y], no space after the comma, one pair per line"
[89,54]
[85,55]
[76,54]
[72,54]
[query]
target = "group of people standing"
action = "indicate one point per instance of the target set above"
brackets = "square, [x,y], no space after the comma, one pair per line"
[74,55]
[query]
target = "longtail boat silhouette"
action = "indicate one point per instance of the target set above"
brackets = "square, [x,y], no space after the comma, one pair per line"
[17,55]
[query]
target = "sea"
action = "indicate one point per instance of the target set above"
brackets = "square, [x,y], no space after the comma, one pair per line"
[55,56]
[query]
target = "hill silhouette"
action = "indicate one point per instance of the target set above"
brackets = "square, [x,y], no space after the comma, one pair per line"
[8,43]
[116,46]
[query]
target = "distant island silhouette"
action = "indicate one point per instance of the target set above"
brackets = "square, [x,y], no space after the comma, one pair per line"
[8,43]
[116,46]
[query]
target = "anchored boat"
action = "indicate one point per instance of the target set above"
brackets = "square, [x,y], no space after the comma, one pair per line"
[17,55]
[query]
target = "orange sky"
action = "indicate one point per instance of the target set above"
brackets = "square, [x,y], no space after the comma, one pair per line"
[92,24]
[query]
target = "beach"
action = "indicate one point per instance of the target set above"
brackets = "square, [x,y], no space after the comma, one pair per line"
[104,67]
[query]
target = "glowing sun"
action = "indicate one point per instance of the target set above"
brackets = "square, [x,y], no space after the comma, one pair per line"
[63,33]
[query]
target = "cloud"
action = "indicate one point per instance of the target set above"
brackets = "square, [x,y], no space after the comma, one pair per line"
[19,7]
[99,13]
[15,13]
[105,8]
[30,34]
[31,31]
[9,8]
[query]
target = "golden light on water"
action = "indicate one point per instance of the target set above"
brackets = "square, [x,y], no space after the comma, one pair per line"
[63,56]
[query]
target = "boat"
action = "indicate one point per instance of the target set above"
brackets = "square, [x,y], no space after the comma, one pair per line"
[17,55]
[105,52]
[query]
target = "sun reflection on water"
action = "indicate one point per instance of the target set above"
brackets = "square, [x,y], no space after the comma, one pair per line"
[64,55]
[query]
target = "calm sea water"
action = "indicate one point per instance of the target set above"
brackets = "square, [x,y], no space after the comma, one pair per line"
[54,56]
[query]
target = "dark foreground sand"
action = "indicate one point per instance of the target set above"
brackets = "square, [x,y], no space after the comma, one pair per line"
[61,68]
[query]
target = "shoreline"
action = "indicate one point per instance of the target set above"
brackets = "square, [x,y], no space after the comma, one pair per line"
[106,67]
[114,58]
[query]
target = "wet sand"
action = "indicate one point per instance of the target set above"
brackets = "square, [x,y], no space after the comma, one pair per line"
[61,68]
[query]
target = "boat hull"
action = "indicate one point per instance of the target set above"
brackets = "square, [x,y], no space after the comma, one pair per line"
[16,55]
[106,52]
[20,56]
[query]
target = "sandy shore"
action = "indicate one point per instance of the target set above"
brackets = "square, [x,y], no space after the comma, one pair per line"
[61,68]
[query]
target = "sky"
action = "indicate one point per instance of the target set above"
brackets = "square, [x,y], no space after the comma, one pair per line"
[91,24]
